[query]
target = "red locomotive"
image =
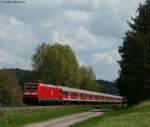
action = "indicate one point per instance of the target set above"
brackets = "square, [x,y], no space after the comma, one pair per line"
[48,93]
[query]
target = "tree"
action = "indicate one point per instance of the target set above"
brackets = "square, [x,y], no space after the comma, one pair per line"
[88,80]
[56,64]
[10,92]
[134,79]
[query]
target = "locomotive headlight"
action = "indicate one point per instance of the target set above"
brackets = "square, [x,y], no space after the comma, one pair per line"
[30,93]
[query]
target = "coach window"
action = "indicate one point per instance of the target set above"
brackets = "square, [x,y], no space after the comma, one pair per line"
[64,93]
[68,94]
[75,94]
[84,95]
[72,94]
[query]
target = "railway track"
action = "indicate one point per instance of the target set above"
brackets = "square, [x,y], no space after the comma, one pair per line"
[103,107]
[10,108]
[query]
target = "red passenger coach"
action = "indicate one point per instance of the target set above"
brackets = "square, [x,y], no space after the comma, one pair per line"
[48,93]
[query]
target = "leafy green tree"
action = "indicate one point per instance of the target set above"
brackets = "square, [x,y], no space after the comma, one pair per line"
[88,81]
[56,64]
[134,80]
[10,92]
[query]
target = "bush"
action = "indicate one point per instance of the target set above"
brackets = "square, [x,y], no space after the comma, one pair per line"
[10,92]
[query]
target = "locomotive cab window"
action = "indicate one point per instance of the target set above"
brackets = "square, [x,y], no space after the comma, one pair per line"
[30,86]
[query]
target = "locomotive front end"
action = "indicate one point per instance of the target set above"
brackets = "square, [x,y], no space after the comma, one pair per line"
[30,95]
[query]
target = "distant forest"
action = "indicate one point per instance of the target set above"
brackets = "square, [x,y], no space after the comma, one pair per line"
[108,87]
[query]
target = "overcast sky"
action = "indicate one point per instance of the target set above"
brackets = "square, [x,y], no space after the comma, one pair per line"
[93,28]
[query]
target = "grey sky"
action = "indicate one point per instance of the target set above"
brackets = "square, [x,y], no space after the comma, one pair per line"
[93,28]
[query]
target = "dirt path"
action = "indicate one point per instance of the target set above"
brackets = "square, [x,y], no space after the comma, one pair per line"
[67,120]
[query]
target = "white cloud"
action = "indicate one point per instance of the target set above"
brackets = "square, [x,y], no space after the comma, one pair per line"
[8,60]
[6,57]
[109,57]
[13,29]
[105,64]
[76,16]
[17,42]
[82,40]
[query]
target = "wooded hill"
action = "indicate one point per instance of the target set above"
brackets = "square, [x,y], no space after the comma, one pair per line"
[108,87]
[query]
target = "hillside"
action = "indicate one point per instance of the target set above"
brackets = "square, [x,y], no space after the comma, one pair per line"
[108,87]
[22,75]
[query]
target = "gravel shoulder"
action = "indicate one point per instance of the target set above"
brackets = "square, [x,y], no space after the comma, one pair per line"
[68,120]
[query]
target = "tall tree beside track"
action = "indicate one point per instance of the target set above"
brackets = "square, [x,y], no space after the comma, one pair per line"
[88,79]
[56,64]
[134,80]
[10,92]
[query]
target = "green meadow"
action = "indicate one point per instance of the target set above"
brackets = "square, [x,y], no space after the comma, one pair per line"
[137,116]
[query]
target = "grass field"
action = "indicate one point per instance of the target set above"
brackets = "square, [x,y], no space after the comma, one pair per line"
[16,118]
[137,116]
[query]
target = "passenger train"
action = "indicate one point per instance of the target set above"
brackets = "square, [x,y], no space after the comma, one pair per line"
[38,93]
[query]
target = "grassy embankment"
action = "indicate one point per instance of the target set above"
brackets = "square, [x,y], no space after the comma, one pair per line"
[18,117]
[137,116]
